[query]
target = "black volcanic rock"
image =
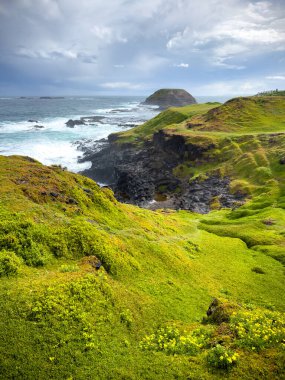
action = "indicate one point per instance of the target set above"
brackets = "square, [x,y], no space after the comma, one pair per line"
[165,98]
[71,123]
[142,174]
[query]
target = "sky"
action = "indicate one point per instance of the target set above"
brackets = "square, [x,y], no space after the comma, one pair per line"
[134,47]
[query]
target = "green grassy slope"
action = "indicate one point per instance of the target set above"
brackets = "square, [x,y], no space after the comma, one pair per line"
[251,115]
[174,115]
[63,319]
[241,115]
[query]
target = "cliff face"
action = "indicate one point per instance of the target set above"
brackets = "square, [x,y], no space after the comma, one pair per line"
[147,176]
[166,98]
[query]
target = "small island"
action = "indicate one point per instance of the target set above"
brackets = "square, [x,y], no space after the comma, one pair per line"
[165,98]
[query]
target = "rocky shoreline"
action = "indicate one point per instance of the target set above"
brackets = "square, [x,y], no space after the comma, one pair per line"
[144,175]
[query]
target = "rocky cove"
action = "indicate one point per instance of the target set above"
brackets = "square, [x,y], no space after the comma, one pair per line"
[145,175]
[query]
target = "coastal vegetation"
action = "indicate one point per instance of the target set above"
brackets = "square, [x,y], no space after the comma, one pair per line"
[92,288]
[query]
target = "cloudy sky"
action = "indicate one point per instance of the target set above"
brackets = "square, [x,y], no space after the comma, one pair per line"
[209,47]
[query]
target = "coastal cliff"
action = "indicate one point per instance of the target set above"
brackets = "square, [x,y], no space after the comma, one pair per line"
[190,157]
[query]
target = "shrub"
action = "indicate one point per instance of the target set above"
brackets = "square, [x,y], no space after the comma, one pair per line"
[222,357]
[9,263]
[27,240]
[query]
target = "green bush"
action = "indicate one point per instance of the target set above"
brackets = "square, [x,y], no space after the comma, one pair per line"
[27,240]
[222,357]
[9,263]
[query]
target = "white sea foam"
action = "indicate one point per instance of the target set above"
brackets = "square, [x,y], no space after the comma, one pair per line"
[53,144]
[49,153]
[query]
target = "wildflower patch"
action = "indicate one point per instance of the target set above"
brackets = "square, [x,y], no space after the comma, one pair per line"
[258,329]
[171,341]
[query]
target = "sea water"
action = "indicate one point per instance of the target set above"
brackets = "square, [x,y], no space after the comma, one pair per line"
[35,126]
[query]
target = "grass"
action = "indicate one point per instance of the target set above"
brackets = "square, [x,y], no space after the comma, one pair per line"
[240,115]
[142,315]
[60,315]
[171,116]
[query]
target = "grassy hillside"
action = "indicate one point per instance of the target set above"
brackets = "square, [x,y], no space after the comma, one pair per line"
[244,115]
[171,116]
[142,315]
[251,115]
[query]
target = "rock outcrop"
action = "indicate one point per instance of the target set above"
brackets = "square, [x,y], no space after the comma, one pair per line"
[84,120]
[165,98]
[71,123]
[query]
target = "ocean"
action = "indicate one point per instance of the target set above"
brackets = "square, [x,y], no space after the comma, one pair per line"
[35,126]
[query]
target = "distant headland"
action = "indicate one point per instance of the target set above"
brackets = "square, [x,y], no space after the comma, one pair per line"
[170,97]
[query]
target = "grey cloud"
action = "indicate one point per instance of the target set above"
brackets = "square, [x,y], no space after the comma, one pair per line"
[122,43]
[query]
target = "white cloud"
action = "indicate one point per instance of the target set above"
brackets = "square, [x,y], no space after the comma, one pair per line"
[56,54]
[245,31]
[184,65]
[122,85]
[107,34]
[222,62]
[276,77]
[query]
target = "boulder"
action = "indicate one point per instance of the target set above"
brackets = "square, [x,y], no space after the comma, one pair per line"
[71,123]
[165,98]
